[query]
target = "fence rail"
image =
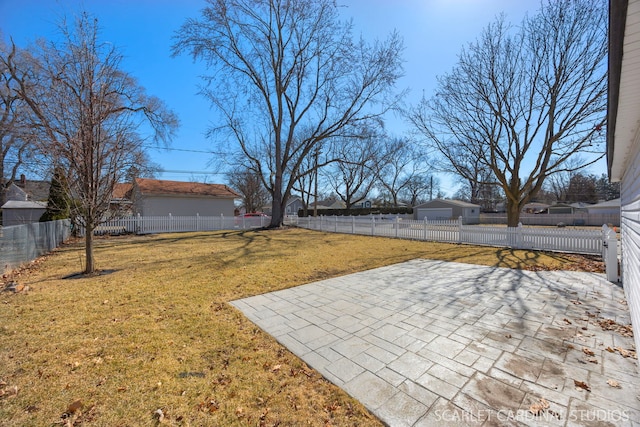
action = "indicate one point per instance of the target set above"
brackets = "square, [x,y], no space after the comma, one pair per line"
[454,231]
[22,243]
[578,218]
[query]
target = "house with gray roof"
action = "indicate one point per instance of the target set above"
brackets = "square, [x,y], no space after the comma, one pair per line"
[444,209]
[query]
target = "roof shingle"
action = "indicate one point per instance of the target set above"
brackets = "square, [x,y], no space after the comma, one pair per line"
[148,186]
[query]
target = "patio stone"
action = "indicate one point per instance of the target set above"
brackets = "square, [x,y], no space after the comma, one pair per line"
[427,343]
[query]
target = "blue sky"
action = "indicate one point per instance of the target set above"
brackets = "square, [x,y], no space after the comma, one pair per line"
[433,30]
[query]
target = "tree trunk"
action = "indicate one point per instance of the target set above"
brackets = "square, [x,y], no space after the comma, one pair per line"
[88,249]
[513,213]
[277,212]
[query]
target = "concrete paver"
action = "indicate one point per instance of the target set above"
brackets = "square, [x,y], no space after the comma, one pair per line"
[439,343]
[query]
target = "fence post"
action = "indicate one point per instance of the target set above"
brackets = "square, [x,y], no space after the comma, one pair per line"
[460,229]
[519,231]
[426,227]
[221,221]
[335,224]
[373,226]
[396,224]
[610,256]
[353,224]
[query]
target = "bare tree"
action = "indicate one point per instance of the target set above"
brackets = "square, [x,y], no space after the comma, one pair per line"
[558,183]
[279,66]
[306,184]
[399,164]
[420,188]
[352,175]
[523,101]
[87,113]
[582,188]
[249,185]
[16,146]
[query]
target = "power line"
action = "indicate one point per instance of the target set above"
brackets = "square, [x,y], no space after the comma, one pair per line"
[191,172]
[186,150]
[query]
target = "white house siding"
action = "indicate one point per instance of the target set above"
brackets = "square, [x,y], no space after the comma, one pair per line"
[180,205]
[630,231]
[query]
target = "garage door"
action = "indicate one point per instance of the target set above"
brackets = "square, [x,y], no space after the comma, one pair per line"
[435,214]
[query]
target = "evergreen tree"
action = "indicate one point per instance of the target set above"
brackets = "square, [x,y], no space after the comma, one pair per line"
[58,204]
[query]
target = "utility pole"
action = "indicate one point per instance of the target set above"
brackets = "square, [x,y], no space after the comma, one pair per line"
[315,196]
[431,188]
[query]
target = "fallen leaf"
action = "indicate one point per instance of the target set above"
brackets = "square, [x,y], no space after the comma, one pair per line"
[588,351]
[8,391]
[612,325]
[582,385]
[210,405]
[610,350]
[276,368]
[75,406]
[567,321]
[592,360]
[614,383]
[539,407]
[626,353]
[576,302]
[159,415]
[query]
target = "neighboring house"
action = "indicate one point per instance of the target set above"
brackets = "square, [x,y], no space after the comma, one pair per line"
[22,190]
[440,209]
[535,207]
[155,197]
[19,212]
[330,204]
[365,204]
[623,140]
[121,203]
[294,204]
[14,192]
[610,207]
[26,202]
[566,209]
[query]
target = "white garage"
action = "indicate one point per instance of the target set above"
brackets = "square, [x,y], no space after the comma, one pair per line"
[441,209]
[434,214]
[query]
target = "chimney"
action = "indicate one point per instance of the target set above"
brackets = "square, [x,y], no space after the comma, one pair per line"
[23,180]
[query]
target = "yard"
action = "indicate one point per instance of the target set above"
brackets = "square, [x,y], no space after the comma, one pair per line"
[153,339]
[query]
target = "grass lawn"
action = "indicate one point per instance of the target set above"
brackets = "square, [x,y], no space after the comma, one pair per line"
[152,341]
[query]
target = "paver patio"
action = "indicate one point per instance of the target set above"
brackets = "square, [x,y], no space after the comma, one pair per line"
[427,343]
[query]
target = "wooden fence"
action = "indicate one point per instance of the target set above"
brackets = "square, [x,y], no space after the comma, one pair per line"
[548,239]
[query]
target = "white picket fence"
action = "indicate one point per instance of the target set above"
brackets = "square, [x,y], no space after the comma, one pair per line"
[598,242]
[454,231]
[534,238]
[174,224]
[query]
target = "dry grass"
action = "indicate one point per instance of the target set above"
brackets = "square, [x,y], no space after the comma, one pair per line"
[156,333]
